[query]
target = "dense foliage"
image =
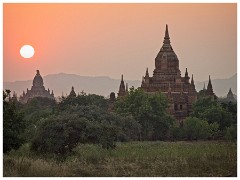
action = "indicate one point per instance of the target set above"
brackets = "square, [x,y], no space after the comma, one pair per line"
[60,134]
[82,119]
[13,124]
[149,110]
[34,110]
[51,127]
[212,111]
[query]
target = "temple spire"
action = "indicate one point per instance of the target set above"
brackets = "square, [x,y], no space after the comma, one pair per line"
[126,87]
[192,84]
[72,93]
[186,73]
[166,38]
[166,32]
[230,96]
[204,88]
[192,81]
[147,74]
[209,87]
[122,90]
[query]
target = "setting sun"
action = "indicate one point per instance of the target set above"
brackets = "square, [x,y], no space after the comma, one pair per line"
[27,51]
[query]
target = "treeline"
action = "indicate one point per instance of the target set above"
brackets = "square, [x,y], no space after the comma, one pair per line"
[210,119]
[51,127]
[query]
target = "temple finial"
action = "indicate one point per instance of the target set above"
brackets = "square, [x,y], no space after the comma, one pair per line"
[192,81]
[204,88]
[186,73]
[166,38]
[38,73]
[209,86]
[166,31]
[147,74]
[209,81]
[122,89]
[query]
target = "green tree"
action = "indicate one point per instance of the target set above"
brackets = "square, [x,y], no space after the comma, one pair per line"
[149,110]
[196,128]
[203,104]
[59,134]
[211,110]
[219,115]
[214,130]
[13,124]
[231,133]
[34,110]
[83,100]
[177,132]
[130,129]
[231,107]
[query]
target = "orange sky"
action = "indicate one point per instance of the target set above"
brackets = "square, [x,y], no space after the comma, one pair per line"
[114,39]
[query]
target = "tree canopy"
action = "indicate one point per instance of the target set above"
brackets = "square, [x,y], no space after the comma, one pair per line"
[149,110]
[13,124]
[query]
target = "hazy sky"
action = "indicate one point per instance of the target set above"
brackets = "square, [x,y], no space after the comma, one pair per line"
[114,39]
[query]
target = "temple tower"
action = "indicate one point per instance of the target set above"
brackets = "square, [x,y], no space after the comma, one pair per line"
[72,93]
[111,101]
[37,90]
[209,91]
[166,62]
[167,79]
[230,96]
[122,90]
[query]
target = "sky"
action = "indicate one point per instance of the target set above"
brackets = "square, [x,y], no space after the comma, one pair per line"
[114,39]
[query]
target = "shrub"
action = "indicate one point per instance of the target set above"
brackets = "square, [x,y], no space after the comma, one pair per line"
[196,128]
[231,133]
[60,134]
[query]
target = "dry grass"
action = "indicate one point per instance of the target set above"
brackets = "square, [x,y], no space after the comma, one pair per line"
[131,159]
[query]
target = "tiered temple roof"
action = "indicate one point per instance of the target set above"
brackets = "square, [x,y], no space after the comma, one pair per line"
[37,90]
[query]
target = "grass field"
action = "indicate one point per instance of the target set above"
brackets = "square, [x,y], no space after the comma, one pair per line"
[204,158]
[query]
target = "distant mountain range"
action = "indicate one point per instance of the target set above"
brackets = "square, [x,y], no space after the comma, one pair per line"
[62,83]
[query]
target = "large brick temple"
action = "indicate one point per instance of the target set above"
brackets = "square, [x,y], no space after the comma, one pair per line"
[181,93]
[37,90]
